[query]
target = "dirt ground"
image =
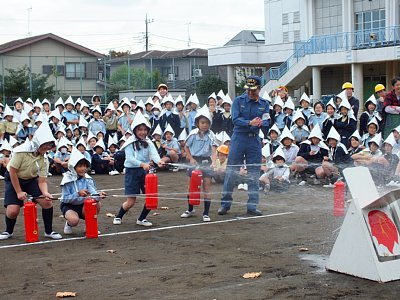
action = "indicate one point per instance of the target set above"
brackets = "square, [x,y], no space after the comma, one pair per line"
[198,262]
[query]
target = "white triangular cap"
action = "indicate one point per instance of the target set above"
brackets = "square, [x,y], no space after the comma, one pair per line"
[130,130]
[90,136]
[132,100]
[389,140]
[333,134]
[267,97]
[179,99]
[12,141]
[97,108]
[158,130]
[100,143]
[193,99]
[29,100]
[125,101]
[78,101]
[138,120]
[331,102]
[61,129]
[63,142]
[5,146]
[84,104]
[59,102]
[205,112]
[377,139]
[156,94]
[397,129]
[23,116]
[371,99]
[286,134]
[69,101]
[279,152]
[342,95]
[221,94]
[75,157]
[266,151]
[274,128]
[110,106]
[149,101]
[81,142]
[374,121]
[83,122]
[27,146]
[298,115]
[213,95]
[55,113]
[278,101]
[111,141]
[18,100]
[289,104]
[8,111]
[41,118]
[356,134]
[226,99]
[157,105]
[344,103]
[27,108]
[42,135]
[38,104]
[305,97]
[222,137]
[169,129]
[182,136]
[316,132]
[45,101]
[168,98]
[140,104]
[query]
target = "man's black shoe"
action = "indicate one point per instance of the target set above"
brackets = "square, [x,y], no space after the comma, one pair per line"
[254,212]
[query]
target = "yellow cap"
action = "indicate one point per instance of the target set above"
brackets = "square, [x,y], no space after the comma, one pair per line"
[379,87]
[224,149]
[347,85]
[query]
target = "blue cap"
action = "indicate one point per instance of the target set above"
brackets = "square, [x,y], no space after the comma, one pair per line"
[252,83]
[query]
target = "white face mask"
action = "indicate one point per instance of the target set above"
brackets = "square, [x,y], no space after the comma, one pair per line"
[156,112]
[63,150]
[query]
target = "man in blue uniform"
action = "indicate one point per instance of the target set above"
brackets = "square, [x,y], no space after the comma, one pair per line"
[250,112]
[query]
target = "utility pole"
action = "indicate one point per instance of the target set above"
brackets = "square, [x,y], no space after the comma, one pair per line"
[29,9]
[188,33]
[147,21]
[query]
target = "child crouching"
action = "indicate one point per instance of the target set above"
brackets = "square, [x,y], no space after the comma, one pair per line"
[277,177]
[76,186]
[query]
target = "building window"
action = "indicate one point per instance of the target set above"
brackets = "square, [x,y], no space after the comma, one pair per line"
[285,18]
[75,70]
[296,17]
[296,36]
[370,20]
[50,69]
[286,37]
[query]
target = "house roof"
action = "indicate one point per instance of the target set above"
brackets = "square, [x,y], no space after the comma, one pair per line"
[157,54]
[16,44]
[247,37]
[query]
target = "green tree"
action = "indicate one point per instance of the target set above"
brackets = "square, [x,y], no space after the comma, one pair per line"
[17,84]
[211,84]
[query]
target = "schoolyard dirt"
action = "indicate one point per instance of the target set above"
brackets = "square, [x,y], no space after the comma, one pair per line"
[185,258]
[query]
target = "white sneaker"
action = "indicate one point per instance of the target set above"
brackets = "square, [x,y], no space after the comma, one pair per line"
[1,177]
[49,174]
[92,172]
[123,171]
[187,214]
[303,182]
[117,221]
[240,186]
[206,218]
[330,185]
[67,228]
[115,172]
[144,222]
[53,235]
[5,235]
[245,187]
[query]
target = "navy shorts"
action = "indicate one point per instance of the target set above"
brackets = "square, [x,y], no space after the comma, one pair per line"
[29,186]
[76,208]
[204,164]
[134,181]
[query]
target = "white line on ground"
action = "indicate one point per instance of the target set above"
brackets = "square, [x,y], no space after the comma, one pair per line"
[147,230]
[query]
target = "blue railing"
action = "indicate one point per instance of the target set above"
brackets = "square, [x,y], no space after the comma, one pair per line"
[372,38]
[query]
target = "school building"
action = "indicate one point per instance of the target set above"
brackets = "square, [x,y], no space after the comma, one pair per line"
[316,45]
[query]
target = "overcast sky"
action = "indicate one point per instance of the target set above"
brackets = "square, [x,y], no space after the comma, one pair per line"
[119,25]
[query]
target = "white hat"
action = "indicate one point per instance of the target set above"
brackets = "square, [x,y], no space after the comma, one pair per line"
[298,115]
[81,142]
[110,106]
[100,143]
[42,135]
[179,99]
[374,121]
[45,101]
[18,100]
[266,151]
[316,132]
[157,130]
[345,103]
[141,104]
[12,141]
[289,104]
[213,95]
[149,101]
[84,104]
[7,111]
[193,99]
[205,112]
[76,156]
[59,102]
[356,134]
[38,104]
[27,108]
[111,141]
[133,100]
[168,98]
[23,116]
[274,128]
[125,101]
[389,140]
[69,101]
[342,95]
[278,101]
[397,129]
[333,134]
[331,102]
[286,134]
[156,94]
[41,118]
[226,99]
[267,97]
[221,94]
[377,139]
[91,136]
[97,108]
[83,122]
[63,142]
[157,105]
[29,100]
[5,146]
[129,131]
[78,101]
[55,113]
[61,129]
[305,98]
[94,96]
[169,129]
[183,135]
[279,152]
[371,99]
[222,137]
[138,120]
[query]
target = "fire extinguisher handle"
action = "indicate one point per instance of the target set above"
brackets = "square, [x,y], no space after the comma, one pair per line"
[29,198]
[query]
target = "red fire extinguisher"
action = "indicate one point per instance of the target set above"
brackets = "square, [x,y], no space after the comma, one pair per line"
[30,220]
[195,187]
[151,188]
[90,208]
[338,201]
